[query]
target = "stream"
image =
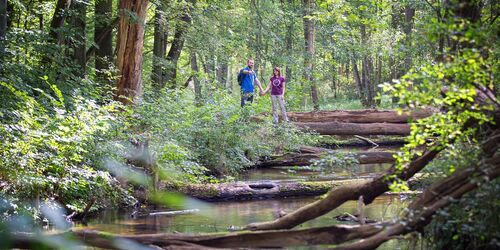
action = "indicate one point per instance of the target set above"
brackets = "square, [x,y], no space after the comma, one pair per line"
[223,216]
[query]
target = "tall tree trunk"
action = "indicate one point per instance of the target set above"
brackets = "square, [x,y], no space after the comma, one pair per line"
[3,29]
[334,76]
[196,80]
[308,6]
[289,45]
[378,77]
[393,57]
[366,73]
[80,41]
[407,28]
[222,69]
[159,46]
[58,19]
[130,44]
[103,36]
[357,79]
[174,53]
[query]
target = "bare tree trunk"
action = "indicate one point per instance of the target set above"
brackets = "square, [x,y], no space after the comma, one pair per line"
[378,77]
[308,6]
[393,57]
[289,45]
[159,46]
[357,79]
[407,28]
[3,29]
[334,81]
[130,44]
[196,81]
[221,72]
[79,44]
[366,73]
[58,19]
[103,36]
[174,53]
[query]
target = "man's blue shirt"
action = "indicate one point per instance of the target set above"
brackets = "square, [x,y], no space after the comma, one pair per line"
[247,84]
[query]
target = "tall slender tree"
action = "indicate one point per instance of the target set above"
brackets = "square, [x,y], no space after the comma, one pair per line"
[3,27]
[196,80]
[79,23]
[308,6]
[58,20]
[103,37]
[159,45]
[181,29]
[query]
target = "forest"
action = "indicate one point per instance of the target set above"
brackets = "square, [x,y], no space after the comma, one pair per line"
[205,124]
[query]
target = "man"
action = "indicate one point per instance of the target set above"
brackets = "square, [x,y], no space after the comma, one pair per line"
[247,84]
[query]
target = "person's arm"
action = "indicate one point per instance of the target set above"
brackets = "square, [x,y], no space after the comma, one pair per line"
[256,81]
[249,71]
[268,87]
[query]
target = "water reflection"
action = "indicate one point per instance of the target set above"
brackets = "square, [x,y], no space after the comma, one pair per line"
[227,215]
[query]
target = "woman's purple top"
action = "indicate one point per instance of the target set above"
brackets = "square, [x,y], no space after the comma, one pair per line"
[277,84]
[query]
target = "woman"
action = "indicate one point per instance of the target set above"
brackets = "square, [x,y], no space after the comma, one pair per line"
[277,86]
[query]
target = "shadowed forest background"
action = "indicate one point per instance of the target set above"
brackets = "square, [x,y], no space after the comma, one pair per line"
[111,105]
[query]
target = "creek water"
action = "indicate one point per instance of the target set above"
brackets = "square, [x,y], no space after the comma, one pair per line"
[224,216]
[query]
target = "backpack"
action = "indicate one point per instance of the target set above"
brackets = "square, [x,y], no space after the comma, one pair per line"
[241,76]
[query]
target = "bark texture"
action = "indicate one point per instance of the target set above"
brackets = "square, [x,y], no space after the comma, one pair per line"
[159,46]
[359,116]
[103,36]
[309,26]
[260,190]
[343,128]
[181,28]
[306,159]
[130,44]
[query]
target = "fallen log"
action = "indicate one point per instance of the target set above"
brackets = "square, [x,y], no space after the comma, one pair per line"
[306,159]
[355,116]
[267,239]
[351,141]
[260,190]
[341,128]
[359,116]
[370,190]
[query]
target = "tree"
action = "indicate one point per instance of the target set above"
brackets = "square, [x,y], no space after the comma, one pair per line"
[58,20]
[103,36]
[196,80]
[181,28]
[159,46]
[130,44]
[308,6]
[79,43]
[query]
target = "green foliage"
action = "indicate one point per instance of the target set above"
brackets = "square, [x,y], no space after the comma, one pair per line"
[49,152]
[331,162]
[450,86]
[470,223]
[217,135]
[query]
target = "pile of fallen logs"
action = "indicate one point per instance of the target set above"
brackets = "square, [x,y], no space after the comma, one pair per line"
[356,122]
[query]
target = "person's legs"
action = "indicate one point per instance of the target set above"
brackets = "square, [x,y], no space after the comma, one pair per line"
[246,98]
[282,106]
[274,101]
